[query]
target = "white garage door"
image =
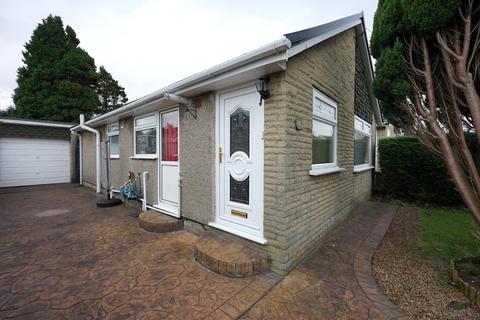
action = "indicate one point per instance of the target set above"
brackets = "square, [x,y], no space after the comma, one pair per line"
[26,162]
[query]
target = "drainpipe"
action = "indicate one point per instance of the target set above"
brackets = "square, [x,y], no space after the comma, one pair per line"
[80,155]
[97,147]
[144,189]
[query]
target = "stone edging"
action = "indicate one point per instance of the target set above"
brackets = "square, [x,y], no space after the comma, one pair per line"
[470,292]
[362,265]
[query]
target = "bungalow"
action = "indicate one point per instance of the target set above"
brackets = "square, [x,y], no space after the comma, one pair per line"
[275,146]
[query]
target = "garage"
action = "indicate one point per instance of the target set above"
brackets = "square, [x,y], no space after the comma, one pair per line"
[34,153]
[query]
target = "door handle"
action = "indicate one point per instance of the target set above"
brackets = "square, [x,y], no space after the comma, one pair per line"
[220,154]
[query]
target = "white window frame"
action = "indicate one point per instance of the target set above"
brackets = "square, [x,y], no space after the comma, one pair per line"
[111,134]
[363,128]
[153,125]
[330,119]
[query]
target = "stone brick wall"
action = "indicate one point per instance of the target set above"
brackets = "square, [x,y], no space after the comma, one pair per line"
[299,208]
[363,107]
[362,186]
[275,170]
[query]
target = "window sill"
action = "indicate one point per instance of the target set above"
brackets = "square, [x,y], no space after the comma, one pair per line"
[362,168]
[322,171]
[145,157]
[114,157]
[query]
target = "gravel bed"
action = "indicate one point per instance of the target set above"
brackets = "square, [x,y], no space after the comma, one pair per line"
[420,288]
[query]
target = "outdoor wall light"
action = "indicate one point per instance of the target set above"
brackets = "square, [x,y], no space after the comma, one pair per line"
[298,123]
[261,85]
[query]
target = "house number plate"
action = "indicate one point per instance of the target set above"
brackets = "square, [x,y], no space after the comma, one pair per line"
[240,214]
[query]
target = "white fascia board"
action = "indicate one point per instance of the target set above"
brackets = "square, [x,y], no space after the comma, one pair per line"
[233,77]
[36,123]
[320,38]
[271,60]
[274,48]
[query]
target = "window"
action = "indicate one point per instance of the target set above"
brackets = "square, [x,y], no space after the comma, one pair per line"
[324,135]
[145,136]
[362,144]
[112,133]
[170,136]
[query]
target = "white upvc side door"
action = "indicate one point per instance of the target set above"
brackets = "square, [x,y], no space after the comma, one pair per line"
[168,182]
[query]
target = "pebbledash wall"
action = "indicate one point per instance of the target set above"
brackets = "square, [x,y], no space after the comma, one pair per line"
[197,161]
[299,209]
[122,165]
[196,137]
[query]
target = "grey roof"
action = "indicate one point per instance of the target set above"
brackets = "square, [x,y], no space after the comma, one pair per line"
[45,123]
[302,35]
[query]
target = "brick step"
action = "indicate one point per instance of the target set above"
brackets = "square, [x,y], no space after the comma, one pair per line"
[228,258]
[158,222]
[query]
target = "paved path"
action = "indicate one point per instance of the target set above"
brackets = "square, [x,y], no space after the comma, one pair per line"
[63,258]
[336,281]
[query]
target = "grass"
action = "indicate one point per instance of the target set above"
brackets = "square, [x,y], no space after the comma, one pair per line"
[447,234]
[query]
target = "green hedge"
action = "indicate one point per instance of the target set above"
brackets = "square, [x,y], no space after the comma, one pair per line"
[411,173]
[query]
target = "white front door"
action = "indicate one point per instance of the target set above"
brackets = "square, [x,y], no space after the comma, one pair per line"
[168,163]
[240,164]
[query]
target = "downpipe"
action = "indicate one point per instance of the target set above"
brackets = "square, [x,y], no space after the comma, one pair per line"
[144,189]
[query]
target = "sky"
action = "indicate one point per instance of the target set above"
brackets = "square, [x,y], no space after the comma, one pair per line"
[149,44]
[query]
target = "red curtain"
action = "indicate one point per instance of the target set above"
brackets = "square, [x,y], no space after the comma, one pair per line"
[170,138]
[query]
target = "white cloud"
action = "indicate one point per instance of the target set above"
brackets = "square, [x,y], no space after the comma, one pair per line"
[149,44]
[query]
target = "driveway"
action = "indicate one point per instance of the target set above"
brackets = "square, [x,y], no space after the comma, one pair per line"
[62,257]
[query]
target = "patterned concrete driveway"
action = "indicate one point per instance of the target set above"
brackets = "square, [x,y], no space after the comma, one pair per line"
[336,281]
[63,258]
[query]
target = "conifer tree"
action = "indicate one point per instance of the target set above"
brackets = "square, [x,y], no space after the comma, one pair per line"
[59,79]
[110,93]
[428,81]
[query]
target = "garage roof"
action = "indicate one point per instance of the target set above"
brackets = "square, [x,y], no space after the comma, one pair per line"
[40,123]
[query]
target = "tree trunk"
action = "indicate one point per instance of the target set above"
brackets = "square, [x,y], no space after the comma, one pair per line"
[453,167]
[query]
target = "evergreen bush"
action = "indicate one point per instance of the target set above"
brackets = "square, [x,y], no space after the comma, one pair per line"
[410,172]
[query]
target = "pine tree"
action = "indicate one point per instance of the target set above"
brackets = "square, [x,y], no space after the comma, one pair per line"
[58,79]
[9,112]
[110,93]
